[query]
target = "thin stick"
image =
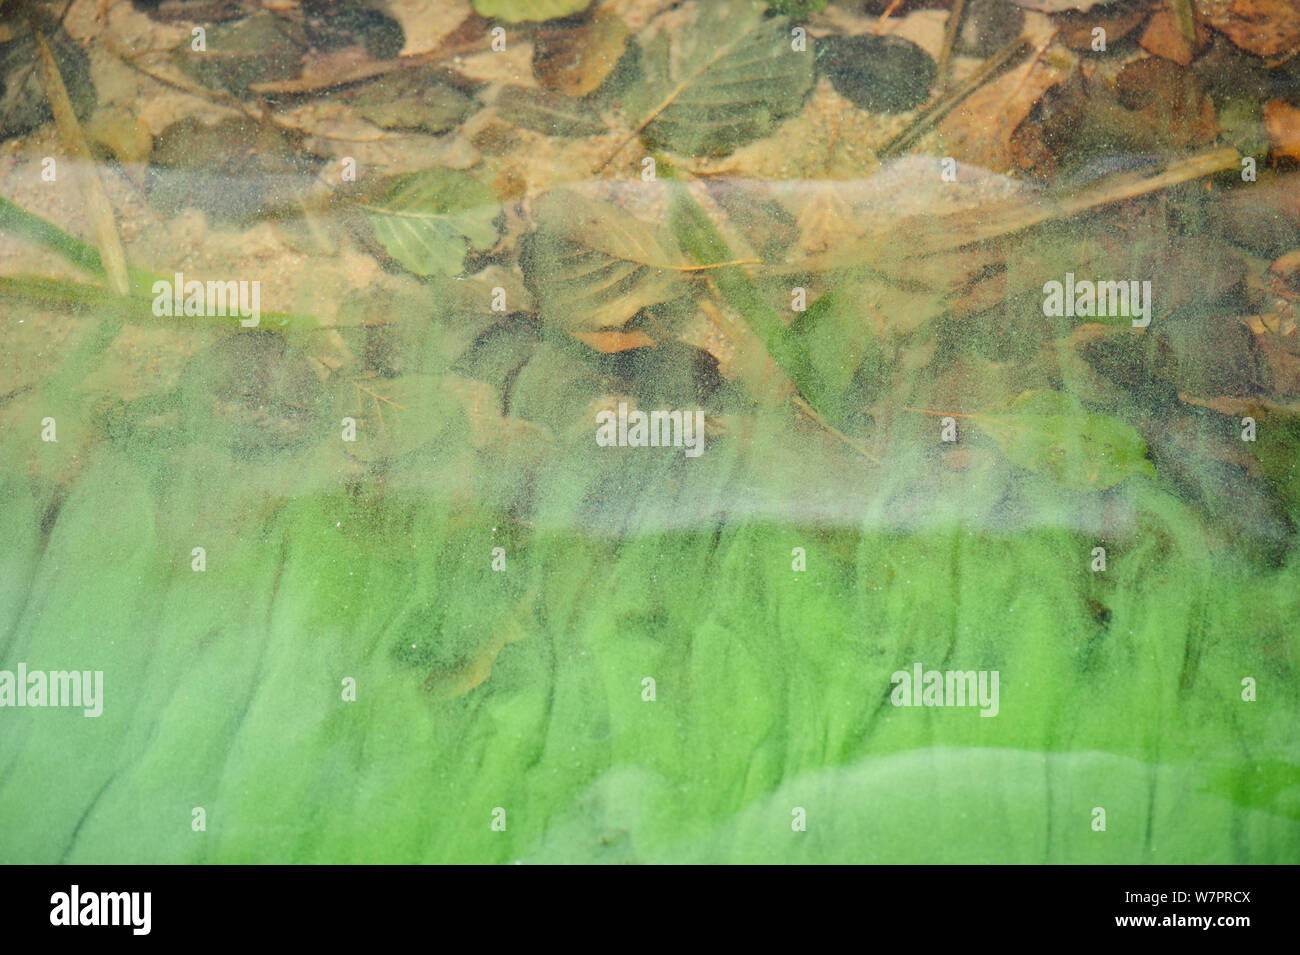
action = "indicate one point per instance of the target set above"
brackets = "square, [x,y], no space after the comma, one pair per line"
[98,208]
[811,412]
[1030,65]
[939,414]
[880,24]
[931,234]
[950,29]
[1005,218]
[940,108]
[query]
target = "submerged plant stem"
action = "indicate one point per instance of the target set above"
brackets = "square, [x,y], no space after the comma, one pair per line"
[100,211]
[940,108]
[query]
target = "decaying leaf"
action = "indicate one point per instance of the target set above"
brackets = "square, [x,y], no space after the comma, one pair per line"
[1061,6]
[474,671]
[881,74]
[517,11]
[1050,432]
[1000,146]
[574,58]
[546,112]
[592,265]
[397,415]
[1262,27]
[1164,37]
[1283,123]
[1118,19]
[417,99]
[610,342]
[429,220]
[719,80]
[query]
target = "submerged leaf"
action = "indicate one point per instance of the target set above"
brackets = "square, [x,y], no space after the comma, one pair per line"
[429,220]
[592,265]
[1048,431]
[260,49]
[720,82]
[395,416]
[412,99]
[610,342]
[545,112]
[253,395]
[23,103]
[517,11]
[474,671]
[574,58]
[884,74]
[234,170]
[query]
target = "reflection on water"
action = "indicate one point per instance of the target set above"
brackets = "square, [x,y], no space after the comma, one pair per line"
[647,432]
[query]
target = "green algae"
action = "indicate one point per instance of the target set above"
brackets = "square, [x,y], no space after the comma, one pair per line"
[637,656]
[771,685]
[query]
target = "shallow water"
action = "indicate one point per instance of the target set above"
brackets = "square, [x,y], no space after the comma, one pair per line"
[364,585]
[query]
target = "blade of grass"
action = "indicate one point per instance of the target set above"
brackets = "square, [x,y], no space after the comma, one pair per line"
[136,308]
[18,221]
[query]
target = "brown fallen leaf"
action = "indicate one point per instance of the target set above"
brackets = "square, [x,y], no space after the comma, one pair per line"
[1168,102]
[1283,123]
[608,342]
[981,129]
[469,37]
[1154,106]
[1239,407]
[1074,27]
[1164,37]
[1285,272]
[1061,6]
[1262,27]
[574,58]
[1278,343]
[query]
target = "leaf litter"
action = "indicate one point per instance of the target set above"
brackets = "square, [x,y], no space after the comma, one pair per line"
[804,218]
